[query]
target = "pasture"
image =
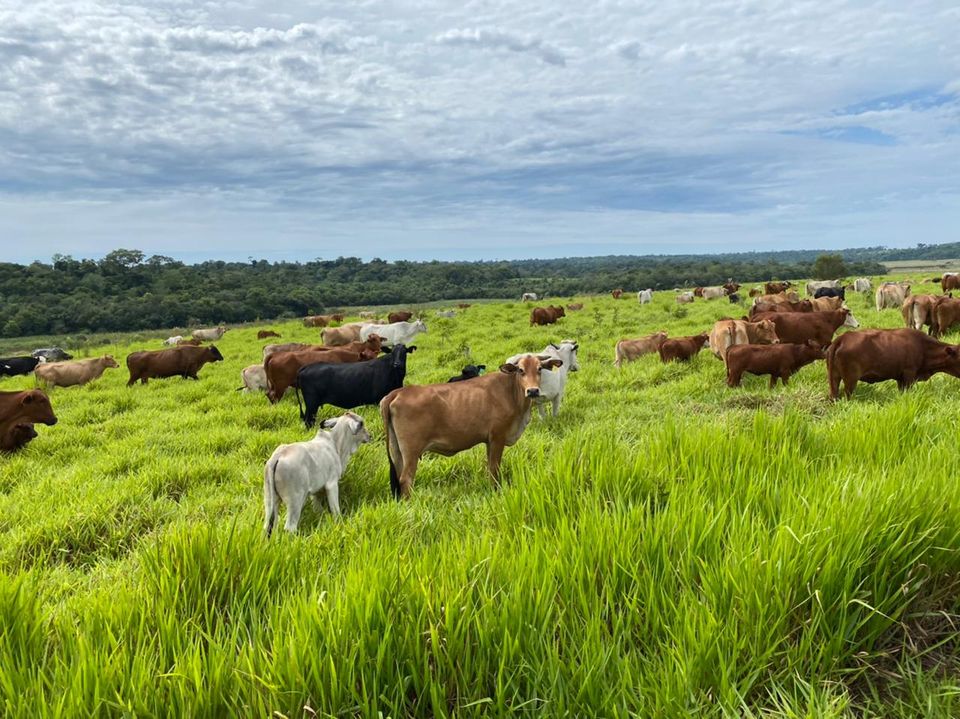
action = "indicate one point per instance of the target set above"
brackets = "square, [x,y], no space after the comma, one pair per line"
[666,547]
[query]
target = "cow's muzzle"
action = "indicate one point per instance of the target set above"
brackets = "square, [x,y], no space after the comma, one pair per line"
[533,392]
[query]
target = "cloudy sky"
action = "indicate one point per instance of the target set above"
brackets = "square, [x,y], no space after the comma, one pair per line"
[475,129]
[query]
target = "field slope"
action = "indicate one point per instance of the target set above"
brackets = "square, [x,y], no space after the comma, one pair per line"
[666,547]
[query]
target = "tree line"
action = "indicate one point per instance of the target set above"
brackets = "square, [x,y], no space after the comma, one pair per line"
[128,291]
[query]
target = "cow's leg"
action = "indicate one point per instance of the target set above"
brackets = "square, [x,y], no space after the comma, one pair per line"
[494,455]
[849,385]
[143,380]
[294,502]
[556,404]
[733,378]
[542,410]
[907,380]
[333,498]
[409,472]
[773,379]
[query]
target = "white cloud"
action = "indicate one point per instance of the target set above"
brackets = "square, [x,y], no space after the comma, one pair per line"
[497,38]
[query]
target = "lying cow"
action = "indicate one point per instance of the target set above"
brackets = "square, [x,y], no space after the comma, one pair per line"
[264,334]
[18,409]
[304,469]
[629,350]
[172,341]
[178,362]
[211,335]
[52,354]
[71,374]
[778,361]
[529,297]
[906,356]
[13,366]
[797,327]
[395,333]
[447,419]
[351,385]
[553,384]
[447,314]
[18,437]
[682,349]
[575,306]
[400,316]
[684,298]
[254,379]
[468,372]
[727,333]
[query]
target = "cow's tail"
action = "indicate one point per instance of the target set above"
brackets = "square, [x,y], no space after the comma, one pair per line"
[831,378]
[617,355]
[296,389]
[394,456]
[271,499]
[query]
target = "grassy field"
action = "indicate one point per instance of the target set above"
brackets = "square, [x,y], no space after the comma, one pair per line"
[666,547]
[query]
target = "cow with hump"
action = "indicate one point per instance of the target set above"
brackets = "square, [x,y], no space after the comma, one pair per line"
[727,333]
[449,418]
[179,362]
[553,384]
[906,356]
[71,374]
[798,327]
[19,411]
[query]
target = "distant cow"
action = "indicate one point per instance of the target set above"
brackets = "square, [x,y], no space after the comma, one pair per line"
[337,336]
[322,320]
[394,333]
[401,316]
[698,291]
[173,341]
[684,298]
[826,304]
[181,361]
[906,356]
[727,333]
[734,298]
[775,288]
[812,287]
[77,372]
[840,292]
[52,354]
[211,335]
[617,294]
[288,347]
[305,469]
[463,305]
[862,284]
[645,297]
[917,311]
[575,306]
[802,306]
[447,419]
[446,314]
[22,408]
[682,349]
[946,314]
[553,383]
[367,315]
[353,385]
[254,379]
[546,315]
[778,361]
[13,366]
[468,372]
[189,343]
[950,281]
[629,350]
[798,327]
[264,334]
[731,287]
[529,297]
[891,295]
[712,293]
[787,296]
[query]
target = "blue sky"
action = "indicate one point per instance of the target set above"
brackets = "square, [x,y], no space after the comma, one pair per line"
[475,129]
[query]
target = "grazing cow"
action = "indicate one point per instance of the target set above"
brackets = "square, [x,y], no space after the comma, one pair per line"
[402,316]
[575,306]
[394,333]
[77,372]
[304,469]
[731,287]
[906,356]
[629,350]
[264,334]
[22,408]
[712,293]
[684,298]
[917,311]
[367,315]
[734,298]
[682,349]
[529,297]
[798,327]
[211,335]
[546,315]
[338,336]
[950,281]
[698,292]
[812,287]
[826,304]
[862,284]
[776,288]
[52,354]
[756,292]
[727,333]
[468,372]
[554,383]
[446,419]
[801,306]
[178,362]
[840,292]
[351,385]
[189,343]
[645,297]
[254,379]
[946,314]
[778,361]
[172,341]
[315,321]
[788,296]
[281,368]
[448,314]
[13,366]
[892,295]
[617,294]
[463,305]
[288,347]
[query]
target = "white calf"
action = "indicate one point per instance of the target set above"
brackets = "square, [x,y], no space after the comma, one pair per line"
[254,378]
[553,383]
[296,471]
[172,341]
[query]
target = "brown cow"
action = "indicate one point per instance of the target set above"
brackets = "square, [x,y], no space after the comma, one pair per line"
[181,361]
[22,408]
[289,347]
[448,418]
[788,296]
[775,288]
[402,316]
[731,287]
[629,350]
[756,292]
[727,333]
[281,367]
[463,305]
[546,315]
[950,281]
[189,343]
[316,321]
[72,373]
[946,314]
[617,294]
[826,304]
[917,311]
[681,349]
[798,327]
[906,355]
[778,361]
[801,306]
[698,291]
[339,336]
[575,306]
[263,334]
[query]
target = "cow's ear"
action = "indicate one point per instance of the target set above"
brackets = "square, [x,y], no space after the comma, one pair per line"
[509,368]
[551,363]
[29,398]
[411,349]
[385,350]
[554,345]
[329,423]
[481,367]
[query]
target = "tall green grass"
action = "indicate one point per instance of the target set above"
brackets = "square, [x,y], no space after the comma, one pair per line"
[665,547]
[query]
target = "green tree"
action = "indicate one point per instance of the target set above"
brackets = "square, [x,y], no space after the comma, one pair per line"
[829,267]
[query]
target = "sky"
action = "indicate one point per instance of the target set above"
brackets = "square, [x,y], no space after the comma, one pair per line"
[475,129]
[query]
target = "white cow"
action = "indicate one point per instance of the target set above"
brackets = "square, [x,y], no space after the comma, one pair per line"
[446,313]
[296,471]
[395,333]
[554,382]
[685,298]
[891,294]
[812,287]
[862,284]
[209,335]
[529,297]
[254,379]
[645,297]
[171,341]
[712,293]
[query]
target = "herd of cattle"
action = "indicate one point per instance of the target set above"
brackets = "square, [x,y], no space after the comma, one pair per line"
[365,363]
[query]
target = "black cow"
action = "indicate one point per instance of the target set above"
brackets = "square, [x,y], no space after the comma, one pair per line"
[831,292]
[52,354]
[12,366]
[468,372]
[350,385]
[734,299]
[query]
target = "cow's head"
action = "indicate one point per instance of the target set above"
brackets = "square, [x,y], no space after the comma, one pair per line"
[766,332]
[527,369]
[109,361]
[353,423]
[813,350]
[568,348]
[399,355]
[36,407]
[849,320]
[420,326]
[214,354]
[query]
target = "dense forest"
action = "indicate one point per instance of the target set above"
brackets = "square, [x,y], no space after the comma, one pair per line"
[128,291]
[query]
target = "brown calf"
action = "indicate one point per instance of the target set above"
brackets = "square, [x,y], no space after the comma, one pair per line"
[18,410]
[778,361]
[403,316]
[629,350]
[682,349]
[263,334]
